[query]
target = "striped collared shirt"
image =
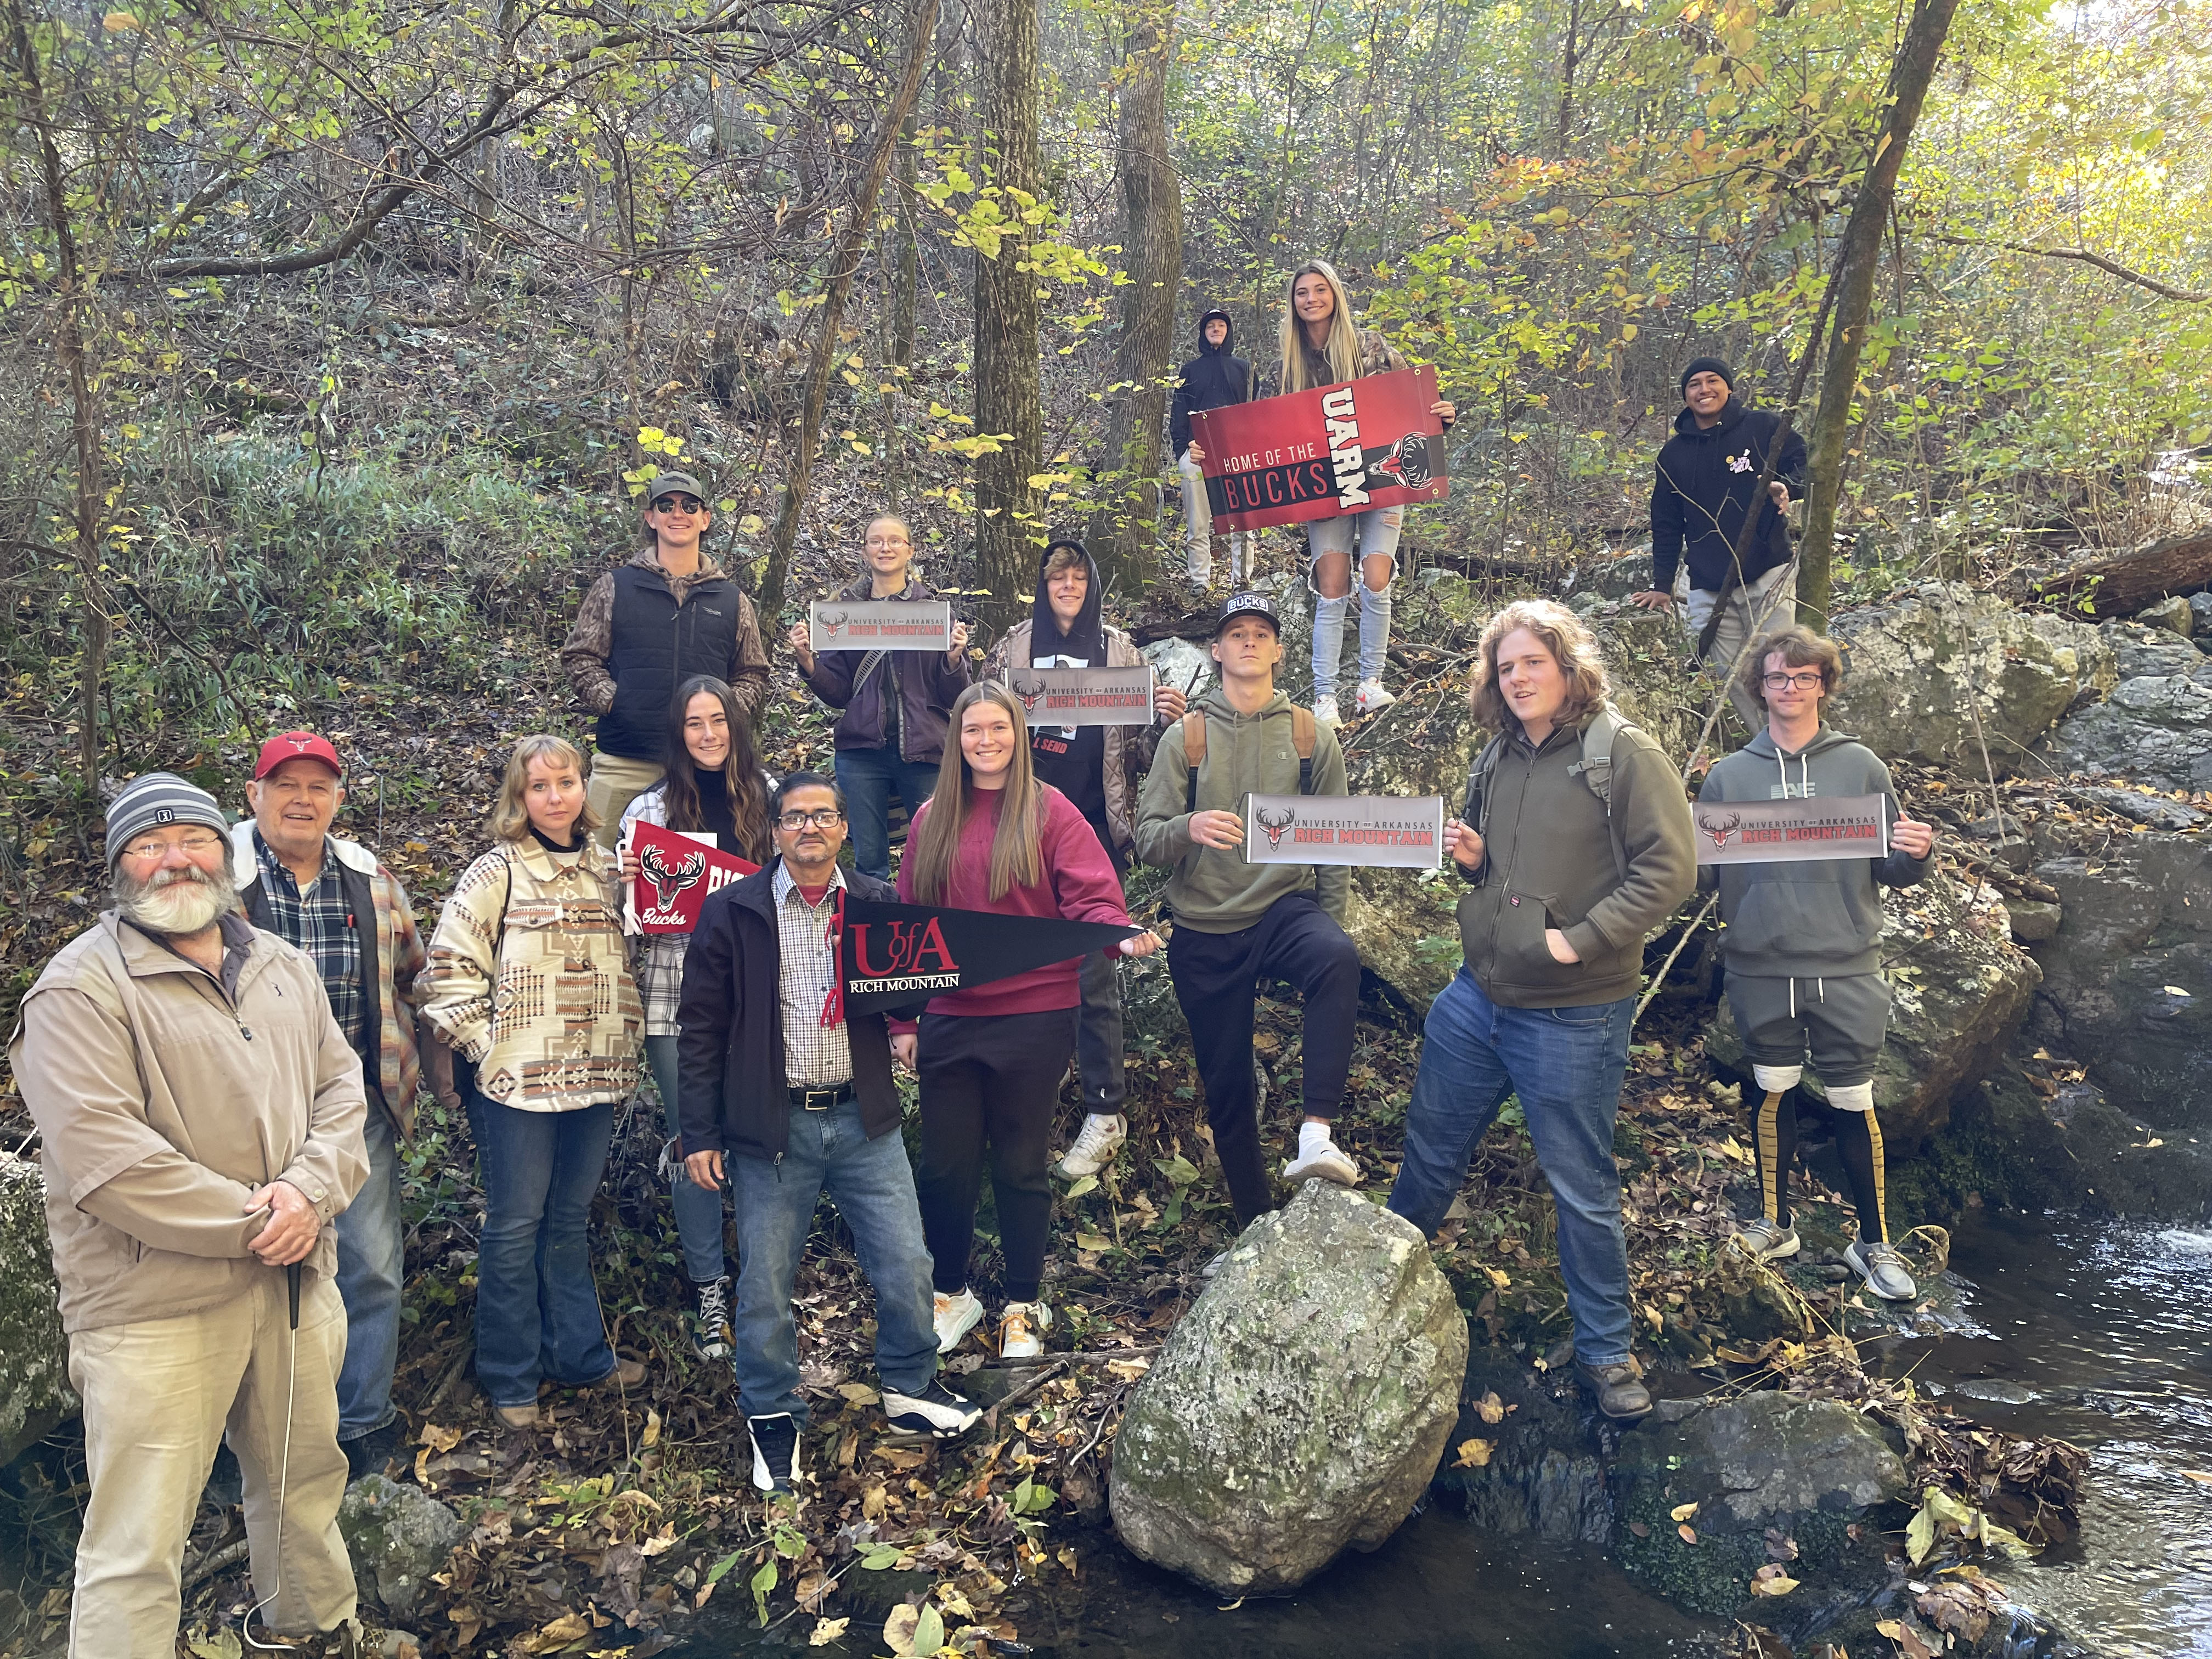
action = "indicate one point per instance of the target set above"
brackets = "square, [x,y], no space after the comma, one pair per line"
[319,922]
[815,1055]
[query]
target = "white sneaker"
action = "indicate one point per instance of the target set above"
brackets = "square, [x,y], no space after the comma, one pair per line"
[1325,711]
[1095,1147]
[1883,1269]
[1327,1162]
[955,1316]
[1021,1329]
[1373,698]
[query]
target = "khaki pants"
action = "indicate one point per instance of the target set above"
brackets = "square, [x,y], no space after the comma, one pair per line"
[1769,603]
[158,1395]
[616,781]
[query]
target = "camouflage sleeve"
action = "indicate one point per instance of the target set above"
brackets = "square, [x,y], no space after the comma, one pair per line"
[584,652]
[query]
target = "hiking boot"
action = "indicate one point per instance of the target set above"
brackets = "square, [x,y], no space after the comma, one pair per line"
[1095,1147]
[1619,1388]
[955,1314]
[712,1338]
[1021,1329]
[1327,1162]
[370,1453]
[1372,699]
[936,1412]
[1765,1241]
[1882,1269]
[775,1451]
[1325,711]
[517,1417]
[627,1374]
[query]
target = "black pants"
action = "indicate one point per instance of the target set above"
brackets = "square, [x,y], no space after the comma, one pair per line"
[1216,976]
[1098,1031]
[993,1081]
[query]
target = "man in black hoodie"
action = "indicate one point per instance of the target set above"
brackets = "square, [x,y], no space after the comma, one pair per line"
[1702,489]
[1212,379]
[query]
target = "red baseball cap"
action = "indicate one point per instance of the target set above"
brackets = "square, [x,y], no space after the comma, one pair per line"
[290,745]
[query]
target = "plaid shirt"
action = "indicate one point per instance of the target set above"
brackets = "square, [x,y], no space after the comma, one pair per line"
[815,1055]
[319,923]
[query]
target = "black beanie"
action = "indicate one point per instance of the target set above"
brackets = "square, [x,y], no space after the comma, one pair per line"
[1707,365]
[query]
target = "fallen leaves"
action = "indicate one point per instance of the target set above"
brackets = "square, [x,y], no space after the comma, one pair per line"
[1681,1512]
[1473,1455]
[1490,1408]
[1907,1639]
[827,1631]
[1772,1580]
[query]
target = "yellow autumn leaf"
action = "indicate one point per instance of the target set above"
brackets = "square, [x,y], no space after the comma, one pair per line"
[651,1437]
[1093,1241]
[1730,1149]
[1681,1512]
[858,1393]
[1771,1580]
[827,1631]
[1490,1408]
[1473,1455]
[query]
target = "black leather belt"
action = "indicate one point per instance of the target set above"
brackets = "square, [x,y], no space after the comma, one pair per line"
[821,1100]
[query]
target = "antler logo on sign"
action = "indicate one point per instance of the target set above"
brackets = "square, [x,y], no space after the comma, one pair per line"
[675,874]
[1791,832]
[1274,824]
[1407,462]
[833,620]
[669,880]
[1719,828]
[1030,692]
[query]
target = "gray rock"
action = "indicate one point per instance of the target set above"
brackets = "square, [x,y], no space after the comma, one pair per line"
[1179,662]
[2171,614]
[1918,667]
[34,1391]
[1765,1456]
[398,1536]
[2139,651]
[2151,809]
[1544,1475]
[2200,613]
[1301,1404]
[2072,1150]
[2034,920]
[2158,729]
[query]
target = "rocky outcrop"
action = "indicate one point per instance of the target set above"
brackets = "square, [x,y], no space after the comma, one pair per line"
[2154,728]
[398,1536]
[1301,1405]
[1538,1469]
[34,1391]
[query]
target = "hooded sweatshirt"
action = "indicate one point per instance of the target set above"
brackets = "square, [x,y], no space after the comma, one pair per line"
[1818,919]
[1701,488]
[1214,891]
[1212,379]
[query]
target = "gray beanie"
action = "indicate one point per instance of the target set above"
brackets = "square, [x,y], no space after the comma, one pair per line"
[157,799]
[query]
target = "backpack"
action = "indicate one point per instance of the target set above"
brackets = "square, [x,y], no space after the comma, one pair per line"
[1303,735]
[1594,768]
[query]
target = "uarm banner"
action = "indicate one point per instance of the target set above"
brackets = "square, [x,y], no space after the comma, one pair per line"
[879,625]
[675,874]
[1083,696]
[1792,831]
[897,957]
[1323,453]
[1390,832]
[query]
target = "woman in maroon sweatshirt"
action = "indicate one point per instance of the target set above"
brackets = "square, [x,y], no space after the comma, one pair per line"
[992,837]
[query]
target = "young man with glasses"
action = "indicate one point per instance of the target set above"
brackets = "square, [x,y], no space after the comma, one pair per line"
[1802,941]
[785,1096]
[668,614]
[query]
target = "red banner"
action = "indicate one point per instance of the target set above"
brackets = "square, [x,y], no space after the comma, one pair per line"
[1321,454]
[675,874]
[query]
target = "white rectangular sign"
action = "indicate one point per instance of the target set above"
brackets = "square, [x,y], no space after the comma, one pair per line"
[1083,696]
[1388,831]
[1792,831]
[879,625]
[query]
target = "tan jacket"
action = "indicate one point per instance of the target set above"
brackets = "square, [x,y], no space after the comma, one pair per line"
[162,1100]
[1129,748]
[530,979]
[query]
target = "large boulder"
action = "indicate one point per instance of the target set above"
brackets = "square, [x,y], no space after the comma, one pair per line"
[1301,1404]
[2154,728]
[1919,666]
[398,1536]
[34,1391]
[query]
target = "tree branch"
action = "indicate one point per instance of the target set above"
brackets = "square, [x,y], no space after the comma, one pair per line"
[2164,290]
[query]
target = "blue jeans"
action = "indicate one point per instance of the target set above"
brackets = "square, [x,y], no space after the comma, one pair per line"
[1378,531]
[873,1185]
[1566,1064]
[538,1311]
[370,1257]
[870,777]
[698,1210]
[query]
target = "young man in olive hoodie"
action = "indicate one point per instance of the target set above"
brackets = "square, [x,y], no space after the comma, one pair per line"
[1236,922]
[1802,944]
[1572,862]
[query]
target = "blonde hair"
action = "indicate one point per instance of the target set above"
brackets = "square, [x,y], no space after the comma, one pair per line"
[1572,645]
[1343,348]
[1017,850]
[509,819]
[1797,646]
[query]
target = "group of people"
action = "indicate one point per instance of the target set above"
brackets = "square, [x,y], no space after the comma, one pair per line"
[224,1068]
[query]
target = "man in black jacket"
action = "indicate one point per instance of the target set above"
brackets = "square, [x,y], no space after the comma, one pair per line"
[1212,379]
[784,1097]
[1702,489]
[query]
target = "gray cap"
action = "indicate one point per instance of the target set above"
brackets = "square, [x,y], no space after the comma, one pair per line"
[157,799]
[668,483]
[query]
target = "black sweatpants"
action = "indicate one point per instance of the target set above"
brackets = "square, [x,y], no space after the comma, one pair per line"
[1216,976]
[995,1081]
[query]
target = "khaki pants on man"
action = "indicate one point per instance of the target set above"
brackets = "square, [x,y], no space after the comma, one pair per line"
[616,781]
[1769,602]
[158,1395]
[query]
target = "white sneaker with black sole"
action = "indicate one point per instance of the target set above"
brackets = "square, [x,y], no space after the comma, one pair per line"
[936,1412]
[955,1316]
[775,1451]
[712,1338]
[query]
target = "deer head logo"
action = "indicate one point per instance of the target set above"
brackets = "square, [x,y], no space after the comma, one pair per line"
[1274,824]
[1030,694]
[832,621]
[1407,462]
[669,880]
[1717,828]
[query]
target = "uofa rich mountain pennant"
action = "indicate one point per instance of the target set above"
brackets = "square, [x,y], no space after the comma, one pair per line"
[897,957]
[675,874]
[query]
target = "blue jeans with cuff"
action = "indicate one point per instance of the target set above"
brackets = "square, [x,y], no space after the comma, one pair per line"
[1566,1065]
[698,1209]
[870,777]
[371,1254]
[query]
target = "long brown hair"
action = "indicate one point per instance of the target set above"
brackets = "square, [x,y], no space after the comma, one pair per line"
[741,771]
[1343,348]
[1572,646]
[1017,849]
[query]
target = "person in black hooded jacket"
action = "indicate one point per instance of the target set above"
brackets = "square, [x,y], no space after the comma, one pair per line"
[1212,379]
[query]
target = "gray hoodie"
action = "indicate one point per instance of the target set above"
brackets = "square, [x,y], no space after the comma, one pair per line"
[1819,919]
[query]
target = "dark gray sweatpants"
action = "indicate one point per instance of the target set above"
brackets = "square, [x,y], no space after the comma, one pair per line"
[1839,1021]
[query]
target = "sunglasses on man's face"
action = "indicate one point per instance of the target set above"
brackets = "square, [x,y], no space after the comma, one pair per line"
[673,503]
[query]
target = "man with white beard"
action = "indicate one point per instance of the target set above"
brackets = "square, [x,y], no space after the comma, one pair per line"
[200,1121]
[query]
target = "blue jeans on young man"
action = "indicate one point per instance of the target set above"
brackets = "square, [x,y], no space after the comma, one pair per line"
[538,1311]
[1566,1065]
[370,1258]
[698,1209]
[872,1183]
[870,777]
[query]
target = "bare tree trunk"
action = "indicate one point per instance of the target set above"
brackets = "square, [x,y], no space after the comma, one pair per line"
[1151,237]
[798,457]
[1857,259]
[84,412]
[1570,60]
[1009,399]
[905,262]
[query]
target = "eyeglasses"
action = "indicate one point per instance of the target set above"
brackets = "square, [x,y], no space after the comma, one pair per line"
[153,847]
[1792,682]
[674,504]
[827,817]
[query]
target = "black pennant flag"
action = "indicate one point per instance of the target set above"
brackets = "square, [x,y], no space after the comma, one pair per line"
[897,957]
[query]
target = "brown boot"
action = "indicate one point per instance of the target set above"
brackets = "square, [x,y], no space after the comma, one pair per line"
[1619,1388]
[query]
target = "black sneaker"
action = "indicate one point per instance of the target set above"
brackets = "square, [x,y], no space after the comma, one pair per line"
[368,1454]
[711,1335]
[775,1451]
[936,1412]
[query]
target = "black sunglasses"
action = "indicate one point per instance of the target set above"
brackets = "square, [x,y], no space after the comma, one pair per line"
[669,503]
